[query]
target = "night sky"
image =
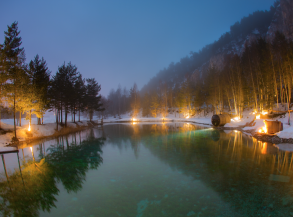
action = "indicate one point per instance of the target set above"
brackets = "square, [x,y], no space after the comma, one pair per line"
[121,42]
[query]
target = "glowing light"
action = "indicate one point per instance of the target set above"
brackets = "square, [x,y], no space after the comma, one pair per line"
[264,113]
[31,149]
[187,117]
[29,127]
[257,117]
[263,130]
[236,131]
[134,119]
[236,119]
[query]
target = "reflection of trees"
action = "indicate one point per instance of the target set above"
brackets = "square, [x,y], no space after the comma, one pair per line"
[71,164]
[29,191]
[34,188]
[235,166]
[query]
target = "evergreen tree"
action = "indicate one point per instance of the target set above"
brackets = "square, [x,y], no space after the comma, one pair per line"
[40,75]
[13,67]
[93,98]
[146,105]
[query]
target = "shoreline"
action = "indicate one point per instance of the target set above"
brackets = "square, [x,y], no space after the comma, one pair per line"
[70,129]
[253,133]
[62,132]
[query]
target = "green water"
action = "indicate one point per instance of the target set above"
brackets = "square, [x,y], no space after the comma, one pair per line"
[148,170]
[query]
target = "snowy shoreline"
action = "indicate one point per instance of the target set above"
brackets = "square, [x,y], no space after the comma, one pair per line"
[48,129]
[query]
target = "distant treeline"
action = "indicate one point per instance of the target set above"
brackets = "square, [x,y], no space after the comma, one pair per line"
[260,77]
[29,88]
[257,77]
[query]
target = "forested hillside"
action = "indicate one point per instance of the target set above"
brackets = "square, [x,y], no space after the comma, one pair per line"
[248,67]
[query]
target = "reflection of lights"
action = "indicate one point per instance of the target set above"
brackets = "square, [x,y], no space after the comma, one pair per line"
[133,123]
[264,148]
[257,116]
[236,131]
[29,127]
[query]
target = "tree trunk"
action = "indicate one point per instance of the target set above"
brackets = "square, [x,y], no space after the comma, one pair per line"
[57,117]
[65,117]
[61,115]
[14,114]
[30,118]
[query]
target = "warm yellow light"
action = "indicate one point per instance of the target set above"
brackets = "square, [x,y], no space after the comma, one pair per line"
[264,148]
[187,117]
[264,113]
[31,149]
[29,127]
[257,116]
[134,119]
[236,118]
[263,130]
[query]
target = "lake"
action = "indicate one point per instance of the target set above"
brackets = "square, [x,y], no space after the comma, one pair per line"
[148,169]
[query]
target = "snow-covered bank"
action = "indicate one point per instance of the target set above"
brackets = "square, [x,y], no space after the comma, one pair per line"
[49,127]
[39,131]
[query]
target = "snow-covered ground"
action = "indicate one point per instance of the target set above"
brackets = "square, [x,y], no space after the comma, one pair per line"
[49,127]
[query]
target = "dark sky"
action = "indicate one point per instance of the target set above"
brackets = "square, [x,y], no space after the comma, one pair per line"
[121,42]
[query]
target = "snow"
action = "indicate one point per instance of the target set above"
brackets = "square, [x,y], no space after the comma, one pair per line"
[287,132]
[38,131]
[285,147]
[49,126]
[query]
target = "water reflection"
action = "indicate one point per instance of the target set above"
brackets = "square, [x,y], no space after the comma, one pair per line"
[34,186]
[253,176]
[178,169]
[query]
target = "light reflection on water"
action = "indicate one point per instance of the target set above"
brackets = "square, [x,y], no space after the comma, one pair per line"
[168,169]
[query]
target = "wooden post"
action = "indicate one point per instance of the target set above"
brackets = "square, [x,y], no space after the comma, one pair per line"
[19,168]
[3,161]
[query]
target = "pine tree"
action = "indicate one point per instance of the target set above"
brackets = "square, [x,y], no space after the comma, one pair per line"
[134,97]
[13,58]
[40,76]
[146,105]
[93,98]
[154,104]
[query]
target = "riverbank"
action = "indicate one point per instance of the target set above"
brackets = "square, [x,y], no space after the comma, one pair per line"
[243,125]
[38,132]
[247,125]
